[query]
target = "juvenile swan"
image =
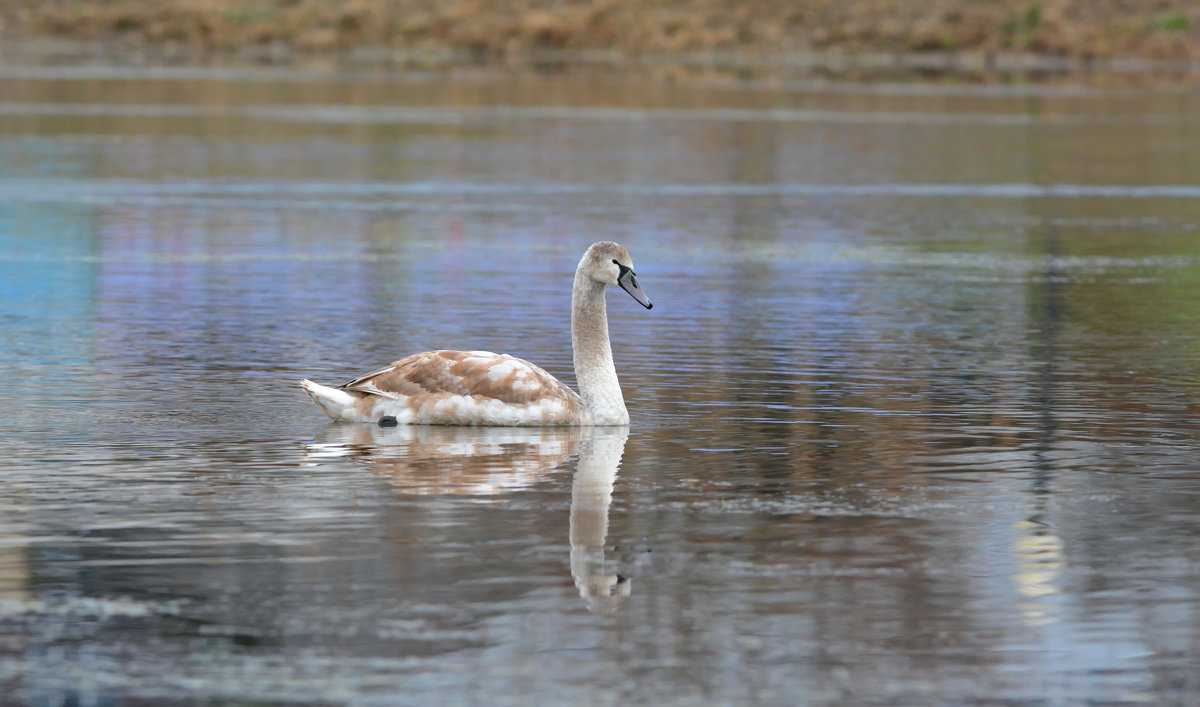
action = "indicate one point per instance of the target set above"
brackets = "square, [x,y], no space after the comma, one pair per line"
[483,388]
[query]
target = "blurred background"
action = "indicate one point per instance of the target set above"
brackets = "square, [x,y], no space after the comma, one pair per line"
[519,30]
[914,416]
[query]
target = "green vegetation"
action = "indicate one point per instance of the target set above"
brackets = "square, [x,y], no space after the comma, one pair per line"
[1172,22]
[1021,30]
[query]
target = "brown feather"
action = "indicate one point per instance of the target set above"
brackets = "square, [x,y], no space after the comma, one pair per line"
[438,374]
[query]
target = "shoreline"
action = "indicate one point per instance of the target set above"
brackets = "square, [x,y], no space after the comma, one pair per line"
[966,66]
[949,37]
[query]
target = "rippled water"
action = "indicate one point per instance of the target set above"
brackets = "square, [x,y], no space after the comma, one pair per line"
[913,416]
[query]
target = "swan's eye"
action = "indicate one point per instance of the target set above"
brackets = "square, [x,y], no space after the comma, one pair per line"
[616,263]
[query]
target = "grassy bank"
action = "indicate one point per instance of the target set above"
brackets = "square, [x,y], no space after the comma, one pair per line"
[502,29]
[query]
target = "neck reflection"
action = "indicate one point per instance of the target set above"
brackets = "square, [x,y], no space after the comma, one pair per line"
[591,495]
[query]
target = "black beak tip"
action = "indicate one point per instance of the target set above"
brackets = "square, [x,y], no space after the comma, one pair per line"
[649,305]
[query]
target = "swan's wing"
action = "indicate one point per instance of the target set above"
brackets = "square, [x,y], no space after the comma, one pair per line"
[498,376]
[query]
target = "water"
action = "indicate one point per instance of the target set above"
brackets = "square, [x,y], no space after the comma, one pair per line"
[913,415]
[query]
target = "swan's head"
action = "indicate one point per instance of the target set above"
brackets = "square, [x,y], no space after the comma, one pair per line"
[609,263]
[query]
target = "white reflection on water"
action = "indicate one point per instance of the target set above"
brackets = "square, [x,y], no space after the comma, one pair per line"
[1038,552]
[591,495]
[430,459]
[488,461]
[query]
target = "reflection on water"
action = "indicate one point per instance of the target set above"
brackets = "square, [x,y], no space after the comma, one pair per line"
[591,495]
[490,461]
[1039,557]
[14,564]
[424,459]
[914,418]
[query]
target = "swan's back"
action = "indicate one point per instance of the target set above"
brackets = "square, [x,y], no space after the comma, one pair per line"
[454,388]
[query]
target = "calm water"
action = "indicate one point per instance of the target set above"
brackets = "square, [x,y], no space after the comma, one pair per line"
[914,416]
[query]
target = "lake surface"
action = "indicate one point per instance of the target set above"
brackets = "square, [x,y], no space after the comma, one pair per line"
[914,418]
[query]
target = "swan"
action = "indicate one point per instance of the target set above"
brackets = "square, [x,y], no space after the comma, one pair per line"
[484,388]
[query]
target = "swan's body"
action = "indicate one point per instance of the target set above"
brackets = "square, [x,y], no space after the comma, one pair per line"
[453,388]
[483,388]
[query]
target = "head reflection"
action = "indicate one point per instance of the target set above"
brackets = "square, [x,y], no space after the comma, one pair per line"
[480,461]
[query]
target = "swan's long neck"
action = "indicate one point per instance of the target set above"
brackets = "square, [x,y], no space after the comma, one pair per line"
[594,368]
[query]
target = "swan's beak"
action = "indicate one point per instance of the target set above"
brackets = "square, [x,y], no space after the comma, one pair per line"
[628,282]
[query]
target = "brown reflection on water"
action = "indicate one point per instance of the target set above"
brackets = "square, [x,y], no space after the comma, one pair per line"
[14,564]
[425,459]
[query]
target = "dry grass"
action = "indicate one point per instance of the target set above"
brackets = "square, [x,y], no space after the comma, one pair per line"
[1155,29]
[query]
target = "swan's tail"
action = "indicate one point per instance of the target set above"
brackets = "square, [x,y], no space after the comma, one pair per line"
[333,402]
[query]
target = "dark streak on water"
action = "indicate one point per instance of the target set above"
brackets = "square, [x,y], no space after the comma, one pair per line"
[913,417]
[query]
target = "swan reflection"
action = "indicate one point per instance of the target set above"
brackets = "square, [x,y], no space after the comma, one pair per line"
[591,495]
[422,459]
[425,459]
